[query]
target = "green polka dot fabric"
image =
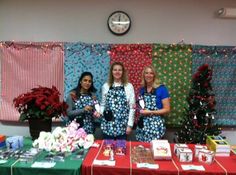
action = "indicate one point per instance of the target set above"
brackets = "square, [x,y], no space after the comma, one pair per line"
[173,64]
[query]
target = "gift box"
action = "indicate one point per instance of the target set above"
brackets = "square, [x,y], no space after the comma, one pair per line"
[197,148]
[206,156]
[161,149]
[14,142]
[185,155]
[219,145]
[177,146]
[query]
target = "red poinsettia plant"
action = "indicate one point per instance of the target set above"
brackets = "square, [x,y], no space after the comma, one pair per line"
[41,102]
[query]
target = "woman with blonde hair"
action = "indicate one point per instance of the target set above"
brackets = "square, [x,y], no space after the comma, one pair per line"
[117,105]
[154,102]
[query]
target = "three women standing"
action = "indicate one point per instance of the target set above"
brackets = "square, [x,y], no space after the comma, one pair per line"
[118,105]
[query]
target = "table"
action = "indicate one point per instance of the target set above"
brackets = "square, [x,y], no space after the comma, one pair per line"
[124,166]
[14,167]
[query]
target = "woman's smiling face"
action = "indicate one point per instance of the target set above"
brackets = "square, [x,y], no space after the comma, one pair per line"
[117,72]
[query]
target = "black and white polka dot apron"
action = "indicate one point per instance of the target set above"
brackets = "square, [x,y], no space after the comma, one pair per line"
[88,123]
[153,126]
[116,101]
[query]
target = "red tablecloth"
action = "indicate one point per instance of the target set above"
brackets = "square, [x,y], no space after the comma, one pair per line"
[221,165]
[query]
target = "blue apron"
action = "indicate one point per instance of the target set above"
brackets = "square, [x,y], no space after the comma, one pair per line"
[116,101]
[86,100]
[154,126]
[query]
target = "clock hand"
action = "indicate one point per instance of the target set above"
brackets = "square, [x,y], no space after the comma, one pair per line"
[119,19]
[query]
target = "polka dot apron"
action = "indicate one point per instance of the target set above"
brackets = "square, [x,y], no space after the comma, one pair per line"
[153,126]
[88,124]
[116,101]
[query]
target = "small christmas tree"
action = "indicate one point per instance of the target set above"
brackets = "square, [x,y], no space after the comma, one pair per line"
[199,118]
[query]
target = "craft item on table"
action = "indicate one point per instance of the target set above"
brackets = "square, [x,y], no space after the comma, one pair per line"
[6,154]
[2,138]
[2,144]
[197,148]
[108,145]
[29,156]
[206,156]
[64,139]
[112,158]
[120,147]
[219,145]
[14,142]
[58,157]
[140,154]
[161,149]
[177,146]
[185,155]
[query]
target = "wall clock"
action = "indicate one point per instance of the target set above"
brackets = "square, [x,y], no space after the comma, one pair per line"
[119,23]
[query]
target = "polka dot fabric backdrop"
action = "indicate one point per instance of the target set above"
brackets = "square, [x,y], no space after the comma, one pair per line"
[173,65]
[81,57]
[222,60]
[134,57]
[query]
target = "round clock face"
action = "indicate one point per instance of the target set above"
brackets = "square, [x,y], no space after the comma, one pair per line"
[119,23]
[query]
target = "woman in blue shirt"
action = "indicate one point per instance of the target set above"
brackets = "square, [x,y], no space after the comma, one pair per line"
[151,124]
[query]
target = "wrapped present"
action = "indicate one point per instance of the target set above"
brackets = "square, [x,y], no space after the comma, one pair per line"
[206,156]
[14,142]
[185,155]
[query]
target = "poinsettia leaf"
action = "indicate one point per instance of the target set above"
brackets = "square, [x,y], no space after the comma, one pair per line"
[23,117]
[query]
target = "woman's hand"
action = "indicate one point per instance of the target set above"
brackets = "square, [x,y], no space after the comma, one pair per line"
[96,114]
[128,130]
[88,108]
[146,112]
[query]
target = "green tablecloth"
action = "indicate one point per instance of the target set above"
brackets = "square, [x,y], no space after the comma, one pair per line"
[68,167]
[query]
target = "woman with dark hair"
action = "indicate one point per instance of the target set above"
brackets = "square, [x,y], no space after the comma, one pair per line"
[117,105]
[81,101]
